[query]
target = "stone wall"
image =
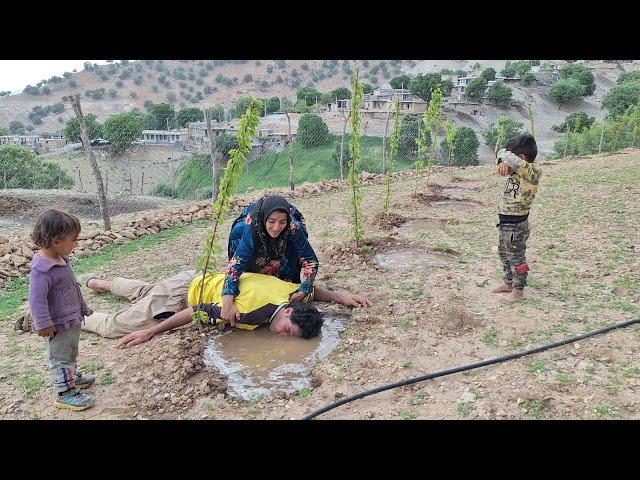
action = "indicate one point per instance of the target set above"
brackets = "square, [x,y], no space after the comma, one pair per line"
[17,250]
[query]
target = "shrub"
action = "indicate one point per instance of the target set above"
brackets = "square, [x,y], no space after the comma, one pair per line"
[312,131]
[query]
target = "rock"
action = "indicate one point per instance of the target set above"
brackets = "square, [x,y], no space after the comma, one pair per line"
[4,239]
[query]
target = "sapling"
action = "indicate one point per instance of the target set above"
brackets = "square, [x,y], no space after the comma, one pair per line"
[246,131]
[395,141]
[355,153]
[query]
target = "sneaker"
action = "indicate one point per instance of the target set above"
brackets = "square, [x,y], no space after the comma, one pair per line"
[74,399]
[84,381]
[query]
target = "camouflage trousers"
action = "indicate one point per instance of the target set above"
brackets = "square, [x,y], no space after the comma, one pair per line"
[512,246]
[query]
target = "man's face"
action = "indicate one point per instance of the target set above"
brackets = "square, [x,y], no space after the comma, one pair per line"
[276,223]
[282,324]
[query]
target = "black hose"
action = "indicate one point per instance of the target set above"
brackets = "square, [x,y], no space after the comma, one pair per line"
[464,368]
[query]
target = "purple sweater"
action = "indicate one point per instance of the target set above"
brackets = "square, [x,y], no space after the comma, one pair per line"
[54,295]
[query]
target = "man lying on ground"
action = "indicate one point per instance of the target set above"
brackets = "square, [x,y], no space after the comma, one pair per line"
[170,304]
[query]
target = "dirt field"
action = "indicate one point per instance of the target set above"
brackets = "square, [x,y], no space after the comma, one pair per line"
[584,275]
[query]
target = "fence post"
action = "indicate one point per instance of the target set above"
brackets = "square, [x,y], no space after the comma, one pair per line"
[84,131]
[291,181]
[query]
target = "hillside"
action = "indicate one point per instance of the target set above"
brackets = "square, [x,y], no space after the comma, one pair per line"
[431,311]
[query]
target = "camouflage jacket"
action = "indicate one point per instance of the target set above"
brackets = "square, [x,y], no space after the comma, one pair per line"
[521,186]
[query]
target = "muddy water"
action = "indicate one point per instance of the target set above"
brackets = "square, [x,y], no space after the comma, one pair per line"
[455,192]
[413,258]
[259,363]
[456,205]
[422,224]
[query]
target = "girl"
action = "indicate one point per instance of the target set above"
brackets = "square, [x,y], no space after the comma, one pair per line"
[269,237]
[57,307]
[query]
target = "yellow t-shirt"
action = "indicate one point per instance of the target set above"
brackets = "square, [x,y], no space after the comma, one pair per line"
[256,291]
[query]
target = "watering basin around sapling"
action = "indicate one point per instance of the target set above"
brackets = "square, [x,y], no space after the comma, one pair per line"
[413,258]
[259,363]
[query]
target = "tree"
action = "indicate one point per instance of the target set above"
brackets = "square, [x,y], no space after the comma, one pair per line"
[423,84]
[508,71]
[340,93]
[122,129]
[16,128]
[628,76]
[618,99]
[161,117]
[488,74]
[566,91]
[187,115]
[400,82]
[4,131]
[20,168]
[527,79]
[247,78]
[273,105]
[224,144]
[217,113]
[367,88]
[409,131]
[475,88]
[312,131]
[521,67]
[308,94]
[72,133]
[577,122]
[465,146]
[500,94]
[511,129]
[582,75]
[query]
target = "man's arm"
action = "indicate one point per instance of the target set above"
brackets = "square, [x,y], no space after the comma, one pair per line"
[348,300]
[174,321]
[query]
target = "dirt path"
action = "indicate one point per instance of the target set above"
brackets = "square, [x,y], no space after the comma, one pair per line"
[584,275]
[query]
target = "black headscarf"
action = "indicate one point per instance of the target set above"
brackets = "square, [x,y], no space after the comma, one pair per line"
[264,245]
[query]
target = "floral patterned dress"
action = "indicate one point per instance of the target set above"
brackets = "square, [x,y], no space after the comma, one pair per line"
[295,256]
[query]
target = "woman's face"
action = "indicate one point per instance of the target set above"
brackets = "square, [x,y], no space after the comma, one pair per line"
[276,223]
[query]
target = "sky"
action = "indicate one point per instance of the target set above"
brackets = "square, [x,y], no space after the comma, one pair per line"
[17,74]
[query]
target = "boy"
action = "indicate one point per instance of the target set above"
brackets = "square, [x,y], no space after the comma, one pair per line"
[516,162]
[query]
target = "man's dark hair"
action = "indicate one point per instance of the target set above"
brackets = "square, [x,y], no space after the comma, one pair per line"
[525,145]
[54,224]
[308,318]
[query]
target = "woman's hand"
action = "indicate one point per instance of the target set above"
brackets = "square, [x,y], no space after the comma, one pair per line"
[296,297]
[229,312]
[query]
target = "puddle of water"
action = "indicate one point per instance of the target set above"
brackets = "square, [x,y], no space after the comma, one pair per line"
[455,192]
[423,224]
[412,258]
[455,204]
[258,362]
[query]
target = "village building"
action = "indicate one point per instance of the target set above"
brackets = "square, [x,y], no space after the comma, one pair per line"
[31,142]
[164,137]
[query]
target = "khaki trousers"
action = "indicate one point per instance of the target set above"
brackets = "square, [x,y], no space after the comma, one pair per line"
[150,299]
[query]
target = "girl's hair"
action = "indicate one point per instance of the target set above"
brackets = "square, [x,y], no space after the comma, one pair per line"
[54,224]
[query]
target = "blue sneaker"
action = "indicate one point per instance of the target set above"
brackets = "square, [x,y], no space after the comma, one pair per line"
[84,381]
[74,399]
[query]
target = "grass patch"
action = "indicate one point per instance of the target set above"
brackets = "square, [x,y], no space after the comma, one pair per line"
[537,367]
[92,366]
[602,410]
[406,363]
[107,378]
[534,409]
[491,337]
[464,409]
[304,392]
[407,415]
[31,385]
[419,397]
[405,325]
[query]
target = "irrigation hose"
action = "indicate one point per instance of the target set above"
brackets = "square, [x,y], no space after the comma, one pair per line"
[466,367]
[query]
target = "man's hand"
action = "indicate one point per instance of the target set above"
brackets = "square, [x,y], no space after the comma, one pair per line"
[296,297]
[504,169]
[47,332]
[229,312]
[356,301]
[134,338]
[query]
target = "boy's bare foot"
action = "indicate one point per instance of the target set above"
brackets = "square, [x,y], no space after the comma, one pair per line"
[514,296]
[502,288]
[98,285]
